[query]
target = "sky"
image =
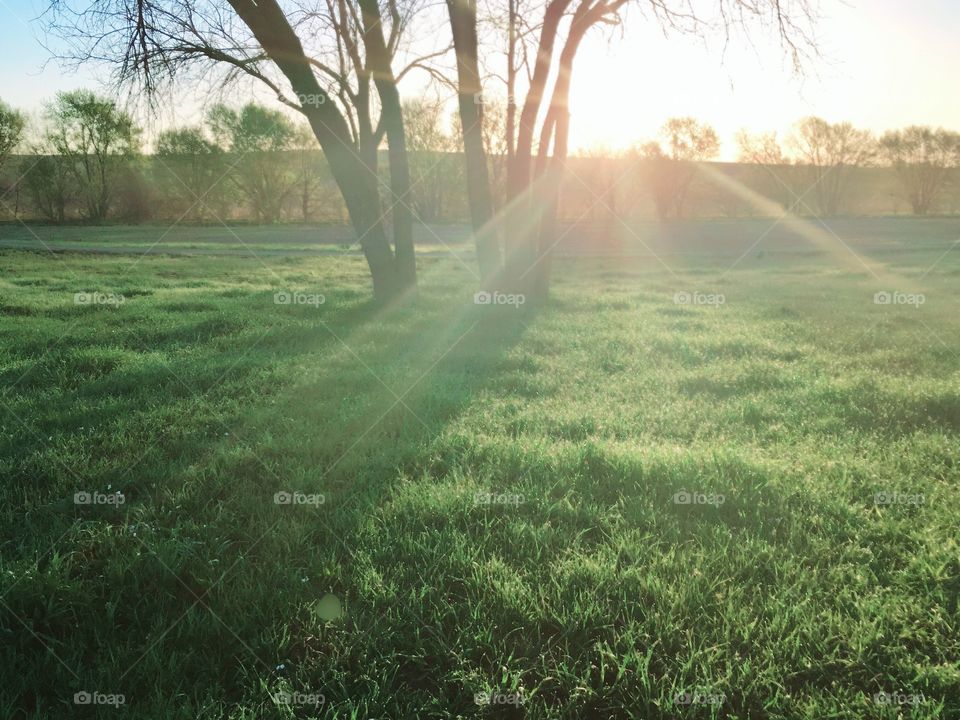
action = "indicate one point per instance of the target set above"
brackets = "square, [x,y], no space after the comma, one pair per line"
[886,63]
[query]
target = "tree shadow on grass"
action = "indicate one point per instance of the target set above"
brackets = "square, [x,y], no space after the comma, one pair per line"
[198,595]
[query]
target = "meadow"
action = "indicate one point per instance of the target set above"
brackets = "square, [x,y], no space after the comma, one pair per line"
[719,482]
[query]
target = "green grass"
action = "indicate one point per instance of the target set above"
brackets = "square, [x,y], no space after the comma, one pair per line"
[591,594]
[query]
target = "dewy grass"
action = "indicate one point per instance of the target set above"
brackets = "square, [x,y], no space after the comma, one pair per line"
[634,502]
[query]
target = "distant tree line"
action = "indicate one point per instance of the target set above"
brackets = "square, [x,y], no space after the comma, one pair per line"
[83,159]
[815,178]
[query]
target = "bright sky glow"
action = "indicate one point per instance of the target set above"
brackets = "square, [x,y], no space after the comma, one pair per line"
[886,64]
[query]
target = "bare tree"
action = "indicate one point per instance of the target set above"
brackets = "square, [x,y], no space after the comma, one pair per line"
[153,42]
[671,172]
[828,152]
[760,149]
[922,157]
[550,43]
[689,140]
[531,254]
[463,26]
[495,146]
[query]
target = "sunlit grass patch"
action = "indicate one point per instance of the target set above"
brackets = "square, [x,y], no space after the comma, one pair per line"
[584,510]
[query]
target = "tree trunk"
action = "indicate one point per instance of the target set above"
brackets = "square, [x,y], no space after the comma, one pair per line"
[358,186]
[519,175]
[379,58]
[552,166]
[463,23]
[400,188]
[511,119]
[557,121]
[522,197]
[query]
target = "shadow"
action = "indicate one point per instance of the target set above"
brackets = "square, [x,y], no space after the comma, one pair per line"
[200,563]
[872,409]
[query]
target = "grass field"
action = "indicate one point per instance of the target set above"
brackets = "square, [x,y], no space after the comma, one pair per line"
[486,519]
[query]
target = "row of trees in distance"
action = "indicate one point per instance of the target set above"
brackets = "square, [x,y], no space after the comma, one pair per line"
[83,159]
[813,169]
